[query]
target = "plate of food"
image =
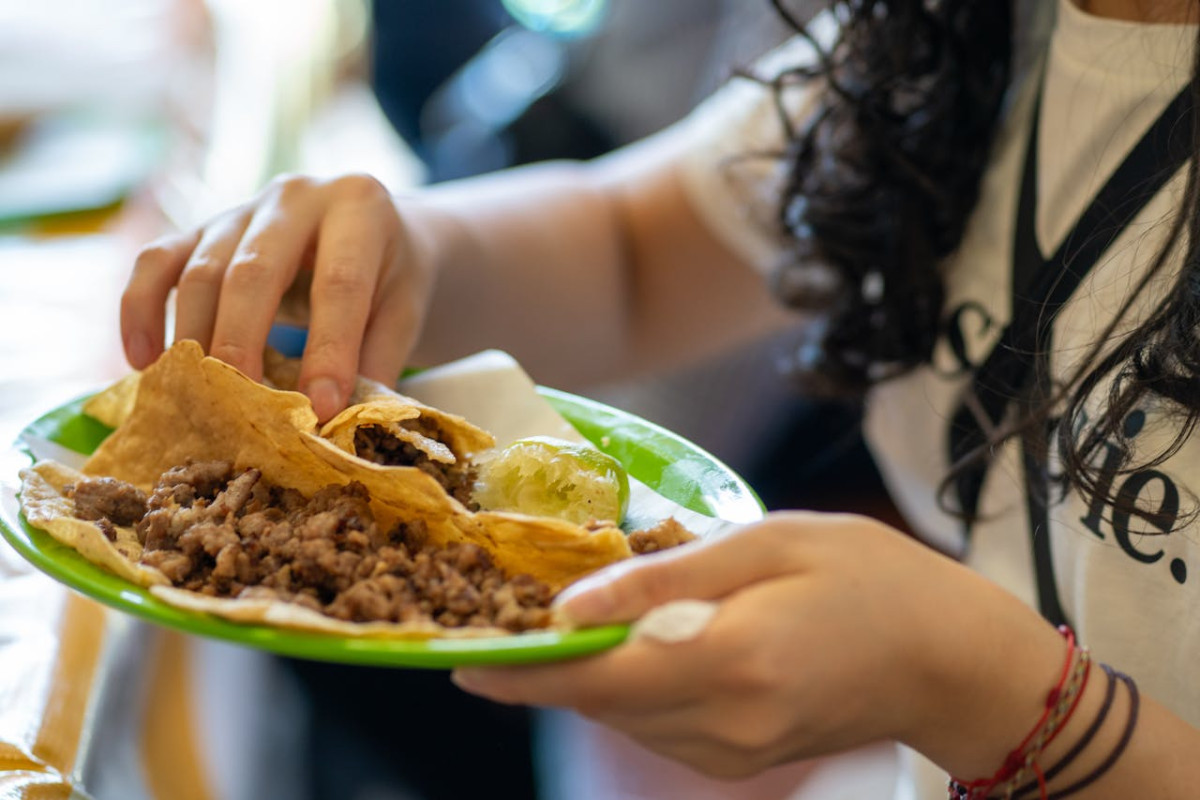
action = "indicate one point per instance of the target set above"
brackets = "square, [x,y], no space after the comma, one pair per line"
[397,534]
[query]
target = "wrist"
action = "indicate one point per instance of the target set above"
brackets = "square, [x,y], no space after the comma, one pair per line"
[989,666]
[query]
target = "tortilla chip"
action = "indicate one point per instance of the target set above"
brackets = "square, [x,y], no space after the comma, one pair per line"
[113,405]
[371,403]
[191,407]
[46,506]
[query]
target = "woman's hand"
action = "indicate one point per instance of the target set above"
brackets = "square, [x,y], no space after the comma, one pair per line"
[370,284]
[832,631]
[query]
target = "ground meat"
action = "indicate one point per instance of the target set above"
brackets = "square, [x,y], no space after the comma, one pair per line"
[375,444]
[236,494]
[225,534]
[193,481]
[108,499]
[663,536]
[455,586]
[176,566]
[107,529]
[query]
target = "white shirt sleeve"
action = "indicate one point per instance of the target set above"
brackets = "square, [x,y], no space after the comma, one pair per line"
[732,170]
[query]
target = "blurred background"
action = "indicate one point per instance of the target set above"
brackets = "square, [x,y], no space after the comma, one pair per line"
[120,120]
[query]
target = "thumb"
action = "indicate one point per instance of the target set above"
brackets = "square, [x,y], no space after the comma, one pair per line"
[702,571]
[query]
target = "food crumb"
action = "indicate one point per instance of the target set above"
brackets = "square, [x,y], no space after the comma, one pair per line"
[663,536]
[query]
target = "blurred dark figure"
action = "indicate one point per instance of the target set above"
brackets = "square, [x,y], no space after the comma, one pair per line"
[418,45]
[386,734]
[471,90]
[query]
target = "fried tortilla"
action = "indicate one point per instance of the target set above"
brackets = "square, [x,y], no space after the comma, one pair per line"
[113,405]
[374,409]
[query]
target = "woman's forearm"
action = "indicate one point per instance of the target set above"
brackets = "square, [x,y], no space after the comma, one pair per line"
[986,690]
[530,261]
[584,271]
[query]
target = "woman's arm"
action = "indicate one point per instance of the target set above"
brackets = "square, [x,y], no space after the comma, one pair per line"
[832,632]
[588,270]
[583,271]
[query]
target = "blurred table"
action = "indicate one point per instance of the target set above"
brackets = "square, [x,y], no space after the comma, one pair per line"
[58,319]
[89,697]
[59,293]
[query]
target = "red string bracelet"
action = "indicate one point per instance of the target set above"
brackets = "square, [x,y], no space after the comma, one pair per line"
[1084,740]
[1068,701]
[1060,704]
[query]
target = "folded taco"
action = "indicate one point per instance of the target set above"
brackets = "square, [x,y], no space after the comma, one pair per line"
[388,428]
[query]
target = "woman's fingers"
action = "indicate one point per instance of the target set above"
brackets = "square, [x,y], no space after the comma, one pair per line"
[702,571]
[143,304]
[260,270]
[200,283]
[635,678]
[736,692]
[393,328]
[770,678]
[365,302]
[645,676]
[347,272]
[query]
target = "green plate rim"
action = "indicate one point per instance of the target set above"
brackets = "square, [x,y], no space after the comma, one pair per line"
[646,456]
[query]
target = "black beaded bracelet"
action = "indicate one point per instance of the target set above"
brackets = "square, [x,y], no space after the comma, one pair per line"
[1126,735]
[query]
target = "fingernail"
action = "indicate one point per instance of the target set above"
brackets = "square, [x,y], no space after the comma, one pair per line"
[326,397]
[587,602]
[139,350]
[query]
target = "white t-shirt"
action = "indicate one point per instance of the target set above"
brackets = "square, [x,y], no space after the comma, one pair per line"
[1133,598]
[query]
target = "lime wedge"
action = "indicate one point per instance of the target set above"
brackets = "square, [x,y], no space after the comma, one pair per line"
[547,477]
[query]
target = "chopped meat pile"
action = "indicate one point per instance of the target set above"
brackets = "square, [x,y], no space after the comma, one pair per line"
[226,534]
[663,536]
[374,443]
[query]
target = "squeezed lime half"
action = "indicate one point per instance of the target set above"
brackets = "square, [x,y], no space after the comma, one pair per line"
[548,477]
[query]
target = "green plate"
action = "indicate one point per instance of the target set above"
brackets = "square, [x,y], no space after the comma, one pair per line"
[664,461]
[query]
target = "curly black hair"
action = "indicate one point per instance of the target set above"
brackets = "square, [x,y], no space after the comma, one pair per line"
[883,178]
